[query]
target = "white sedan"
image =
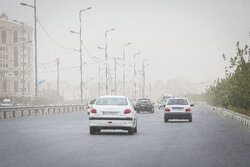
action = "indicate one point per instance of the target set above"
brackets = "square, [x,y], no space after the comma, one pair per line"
[178,108]
[113,112]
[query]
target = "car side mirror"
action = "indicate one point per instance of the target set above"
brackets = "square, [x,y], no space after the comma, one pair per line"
[192,105]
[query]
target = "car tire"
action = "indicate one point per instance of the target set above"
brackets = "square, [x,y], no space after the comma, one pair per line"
[190,119]
[92,130]
[131,131]
[135,129]
[165,120]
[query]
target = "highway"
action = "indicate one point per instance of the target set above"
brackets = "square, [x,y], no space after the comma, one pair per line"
[63,140]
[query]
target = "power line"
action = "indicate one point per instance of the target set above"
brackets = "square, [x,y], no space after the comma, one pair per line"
[51,38]
[50,62]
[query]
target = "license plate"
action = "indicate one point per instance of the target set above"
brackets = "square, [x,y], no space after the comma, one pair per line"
[178,110]
[109,113]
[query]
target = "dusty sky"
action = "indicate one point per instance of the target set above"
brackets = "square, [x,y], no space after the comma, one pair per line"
[178,38]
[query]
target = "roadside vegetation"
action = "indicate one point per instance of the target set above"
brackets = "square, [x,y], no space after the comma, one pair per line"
[233,91]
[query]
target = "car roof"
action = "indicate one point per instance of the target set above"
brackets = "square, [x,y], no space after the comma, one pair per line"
[112,96]
[177,98]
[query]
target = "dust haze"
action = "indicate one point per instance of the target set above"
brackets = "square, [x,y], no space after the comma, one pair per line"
[180,42]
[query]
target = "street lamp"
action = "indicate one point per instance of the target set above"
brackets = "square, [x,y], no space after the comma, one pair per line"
[135,75]
[123,56]
[106,56]
[143,77]
[115,59]
[22,23]
[35,31]
[80,35]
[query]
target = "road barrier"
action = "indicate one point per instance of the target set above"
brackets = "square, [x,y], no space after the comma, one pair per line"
[238,118]
[13,112]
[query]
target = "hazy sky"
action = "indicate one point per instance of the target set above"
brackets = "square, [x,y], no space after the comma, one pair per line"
[179,38]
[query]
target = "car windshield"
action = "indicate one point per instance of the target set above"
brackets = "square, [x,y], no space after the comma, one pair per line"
[112,101]
[146,101]
[92,101]
[177,102]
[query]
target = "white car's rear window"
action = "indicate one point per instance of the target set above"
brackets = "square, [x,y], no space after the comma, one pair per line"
[92,101]
[112,101]
[177,102]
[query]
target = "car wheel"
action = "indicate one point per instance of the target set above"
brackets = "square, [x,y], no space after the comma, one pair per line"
[92,130]
[131,131]
[135,129]
[190,119]
[165,120]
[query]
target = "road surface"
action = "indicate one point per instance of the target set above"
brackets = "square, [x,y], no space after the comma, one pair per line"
[63,140]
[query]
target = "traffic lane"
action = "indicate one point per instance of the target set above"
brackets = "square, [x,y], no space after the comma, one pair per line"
[210,140]
[64,140]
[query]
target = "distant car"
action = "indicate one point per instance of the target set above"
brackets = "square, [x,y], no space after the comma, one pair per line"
[113,112]
[19,105]
[133,101]
[90,104]
[161,104]
[144,105]
[6,103]
[178,108]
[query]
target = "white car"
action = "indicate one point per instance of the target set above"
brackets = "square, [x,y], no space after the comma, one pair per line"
[6,103]
[113,112]
[178,108]
[90,105]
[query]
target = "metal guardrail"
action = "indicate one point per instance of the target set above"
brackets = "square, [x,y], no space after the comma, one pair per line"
[13,112]
[238,118]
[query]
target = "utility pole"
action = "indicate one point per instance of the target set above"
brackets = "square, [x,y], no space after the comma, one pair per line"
[249,52]
[99,81]
[135,75]
[123,72]
[143,79]
[106,57]
[80,35]
[23,62]
[115,77]
[80,38]
[35,34]
[23,43]
[149,89]
[134,79]
[57,77]
[123,57]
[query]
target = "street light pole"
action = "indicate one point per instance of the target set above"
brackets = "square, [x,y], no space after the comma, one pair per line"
[106,57]
[80,39]
[143,80]
[80,35]
[22,23]
[123,56]
[99,80]
[135,75]
[35,33]
[115,77]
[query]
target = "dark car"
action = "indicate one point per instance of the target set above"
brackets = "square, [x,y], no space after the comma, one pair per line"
[144,105]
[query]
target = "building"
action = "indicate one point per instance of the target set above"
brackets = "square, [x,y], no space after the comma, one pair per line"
[14,58]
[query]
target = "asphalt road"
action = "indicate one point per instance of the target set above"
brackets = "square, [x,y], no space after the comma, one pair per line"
[63,140]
